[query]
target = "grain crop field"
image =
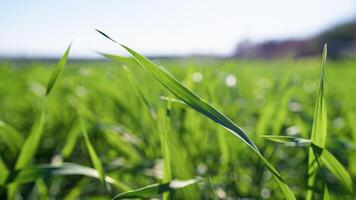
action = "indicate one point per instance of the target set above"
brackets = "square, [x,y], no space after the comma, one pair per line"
[197,128]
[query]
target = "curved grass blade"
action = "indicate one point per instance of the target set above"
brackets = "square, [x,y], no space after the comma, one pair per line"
[156,189]
[31,174]
[319,129]
[204,108]
[12,138]
[31,144]
[28,150]
[93,155]
[71,140]
[337,169]
[62,62]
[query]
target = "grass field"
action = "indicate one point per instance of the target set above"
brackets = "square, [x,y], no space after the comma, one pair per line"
[119,121]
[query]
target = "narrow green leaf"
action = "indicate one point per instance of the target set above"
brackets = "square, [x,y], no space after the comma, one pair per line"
[121,59]
[156,189]
[12,138]
[31,174]
[3,169]
[164,129]
[42,189]
[71,140]
[326,195]
[93,155]
[31,144]
[289,140]
[212,188]
[336,169]
[75,192]
[56,73]
[204,108]
[319,129]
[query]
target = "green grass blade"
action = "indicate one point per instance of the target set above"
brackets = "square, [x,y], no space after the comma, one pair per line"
[336,169]
[289,140]
[204,108]
[164,129]
[156,189]
[326,195]
[42,189]
[187,96]
[319,129]
[75,192]
[93,155]
[31,174]
[56,73]
[12,138]
[3,169]
[121,59]
[31,144]
[71,140]
[212,189]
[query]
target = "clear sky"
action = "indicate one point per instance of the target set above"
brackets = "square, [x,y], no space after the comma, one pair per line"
[159,27]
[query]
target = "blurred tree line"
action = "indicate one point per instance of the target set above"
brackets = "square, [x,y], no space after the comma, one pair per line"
[341,41]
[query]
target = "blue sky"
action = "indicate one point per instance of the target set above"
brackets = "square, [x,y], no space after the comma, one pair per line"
[159,27]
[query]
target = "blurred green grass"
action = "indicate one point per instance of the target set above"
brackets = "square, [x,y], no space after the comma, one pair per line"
[263,97]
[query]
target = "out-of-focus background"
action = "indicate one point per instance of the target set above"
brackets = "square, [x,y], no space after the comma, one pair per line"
[254,28]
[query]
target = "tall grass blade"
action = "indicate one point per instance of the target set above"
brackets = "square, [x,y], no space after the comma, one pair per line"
[31,144]
[326,195]
[93,155]
[156,189]
[62,62]
[319,129]
[164,129]
[204,108]
[71,140]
